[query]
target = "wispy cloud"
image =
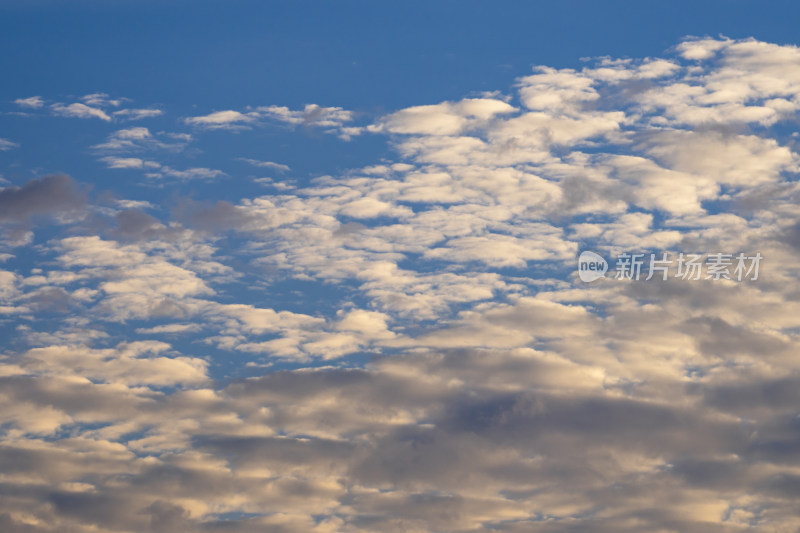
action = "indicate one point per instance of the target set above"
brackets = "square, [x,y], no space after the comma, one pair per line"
[95,105]
[102,100]
[137,114]
[5,145]
[311,115]
[129,162]
[189,173]
[32,102]
[265,164]
[79,110]
[123,143]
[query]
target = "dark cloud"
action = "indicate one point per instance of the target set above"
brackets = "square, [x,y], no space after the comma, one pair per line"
[166,517]
[136,225]
[49,300]
[791,237]
[748,394]
[50,195]
[221,216]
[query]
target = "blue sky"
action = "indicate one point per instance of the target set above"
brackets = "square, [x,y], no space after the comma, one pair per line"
[361,55]
[314,266]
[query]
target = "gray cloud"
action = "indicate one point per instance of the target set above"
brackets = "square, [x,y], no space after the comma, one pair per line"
[50,195]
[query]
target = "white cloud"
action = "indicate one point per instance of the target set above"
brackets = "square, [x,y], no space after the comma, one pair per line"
[5,145]
[447,118]
[701,49]
[134,204]
[222,120]
[265,164]
[559,91]
[124,365]
[310,115]
[170,329]
[32,102]
[137,114]
[505,250]
[190,173]
[102,100]
[129,162]
[78,110]
[133,133]
[140,139]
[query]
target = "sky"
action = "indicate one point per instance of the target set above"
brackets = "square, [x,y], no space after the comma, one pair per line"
[344,267]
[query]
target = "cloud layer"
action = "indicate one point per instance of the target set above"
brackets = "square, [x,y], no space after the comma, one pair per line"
[406,346]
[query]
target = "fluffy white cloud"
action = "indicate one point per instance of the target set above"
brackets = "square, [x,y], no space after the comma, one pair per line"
[222,120]
[444,119]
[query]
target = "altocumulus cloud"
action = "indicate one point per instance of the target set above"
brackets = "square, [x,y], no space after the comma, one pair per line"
[435,364]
